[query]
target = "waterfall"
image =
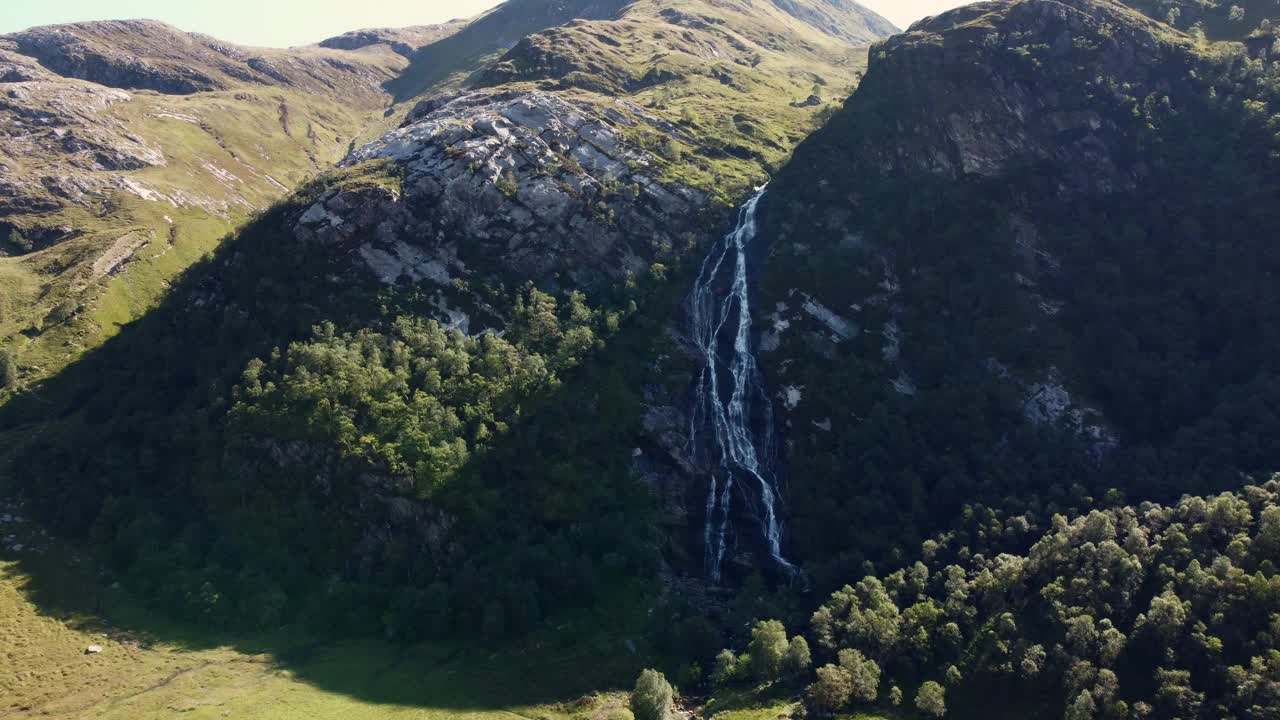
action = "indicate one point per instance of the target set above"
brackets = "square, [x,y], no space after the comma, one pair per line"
[728,389]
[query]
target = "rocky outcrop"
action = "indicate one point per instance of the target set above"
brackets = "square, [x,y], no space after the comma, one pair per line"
[535,184]
[1003,54]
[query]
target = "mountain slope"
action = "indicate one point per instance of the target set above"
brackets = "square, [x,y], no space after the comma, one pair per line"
[422,376]
[842,19]
[129,148]
[985,289]
[1018,296]
[492,33]
[1018,299]
[404,41]
[1236,20]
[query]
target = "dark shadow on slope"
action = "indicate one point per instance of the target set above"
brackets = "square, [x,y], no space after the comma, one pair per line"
[126,452]
[583,653]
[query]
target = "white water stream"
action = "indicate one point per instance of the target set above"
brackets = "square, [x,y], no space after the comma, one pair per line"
[727,389]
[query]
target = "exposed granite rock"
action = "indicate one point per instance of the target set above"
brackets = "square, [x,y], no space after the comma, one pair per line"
[545,185]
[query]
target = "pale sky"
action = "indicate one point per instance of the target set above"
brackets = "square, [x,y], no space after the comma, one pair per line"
[280,23]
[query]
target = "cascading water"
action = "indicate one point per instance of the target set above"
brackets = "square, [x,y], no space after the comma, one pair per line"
[729,395]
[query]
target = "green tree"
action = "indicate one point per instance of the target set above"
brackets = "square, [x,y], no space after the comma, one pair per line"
[831,691]
[1033,661]
[932,699]
[8,370]
[1269,531]
[767,648]
[864,675]
[797,659]
[652,697]
[1082,708]
[1174,695]
[725,669]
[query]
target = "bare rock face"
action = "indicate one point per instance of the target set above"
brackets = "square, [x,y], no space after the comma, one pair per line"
[1004,55]
[544,186]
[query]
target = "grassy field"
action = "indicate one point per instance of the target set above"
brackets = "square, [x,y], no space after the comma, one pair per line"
[53,606]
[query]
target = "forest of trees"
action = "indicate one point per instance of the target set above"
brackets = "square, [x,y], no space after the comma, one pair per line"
[1164,305]
[1160,611]
[245,444]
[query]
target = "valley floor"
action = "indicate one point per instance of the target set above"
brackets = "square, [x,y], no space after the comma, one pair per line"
[53,608]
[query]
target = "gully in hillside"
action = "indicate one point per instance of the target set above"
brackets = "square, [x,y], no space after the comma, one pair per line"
[732,417]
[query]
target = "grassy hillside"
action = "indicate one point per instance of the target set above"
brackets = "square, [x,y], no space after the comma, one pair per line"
[736,79]
[1218,19]
[130,149]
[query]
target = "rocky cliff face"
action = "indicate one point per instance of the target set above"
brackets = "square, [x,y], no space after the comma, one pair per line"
[538,184]
[1004,54]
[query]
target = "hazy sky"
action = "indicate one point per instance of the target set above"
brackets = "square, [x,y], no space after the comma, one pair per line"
[297,22]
